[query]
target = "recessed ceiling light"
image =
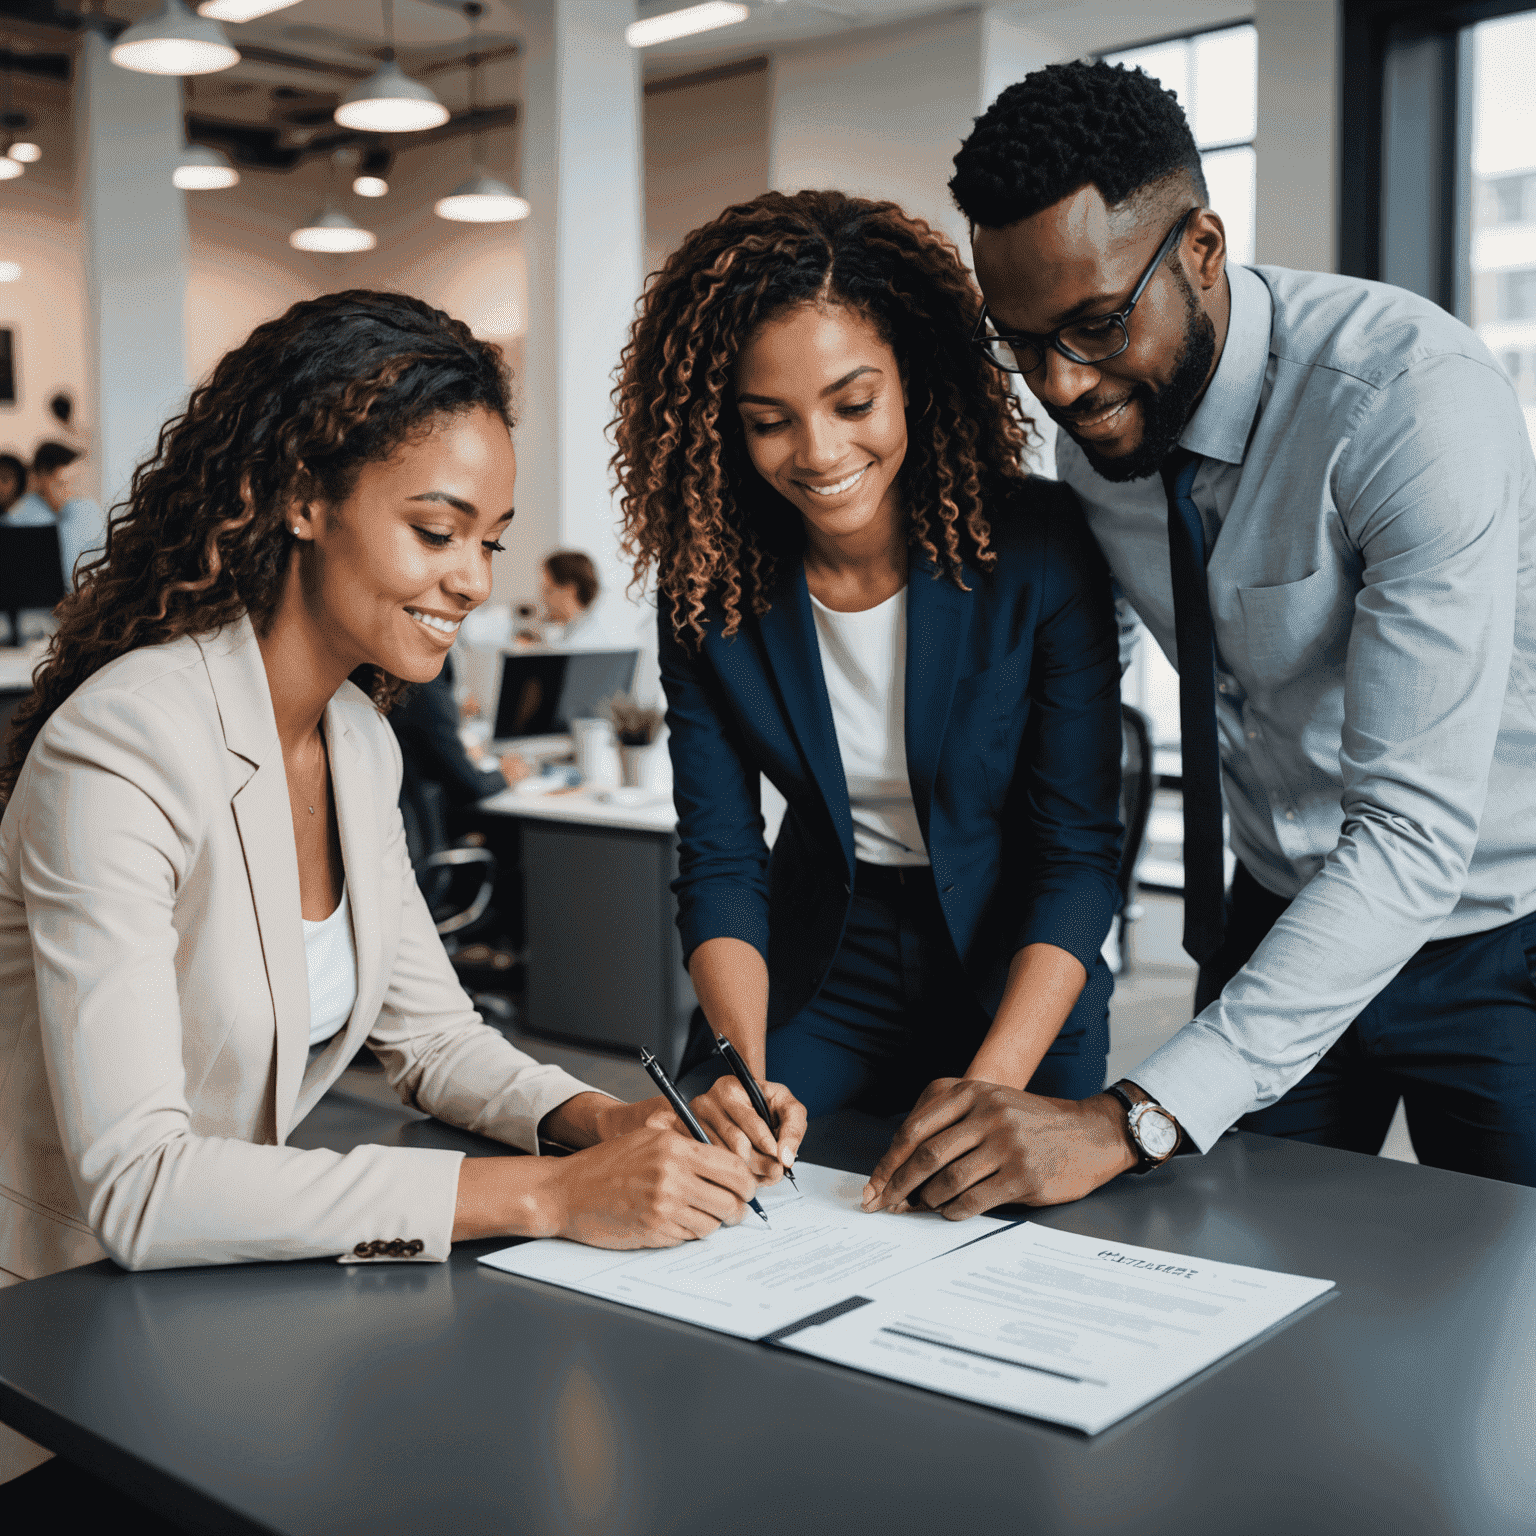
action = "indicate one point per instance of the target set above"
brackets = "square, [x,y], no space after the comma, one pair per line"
[674,24]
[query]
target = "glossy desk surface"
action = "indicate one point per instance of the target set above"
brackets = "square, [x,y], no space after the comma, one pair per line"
[313,1397]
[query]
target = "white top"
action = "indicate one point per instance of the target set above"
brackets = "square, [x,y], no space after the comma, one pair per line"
[864,661]
[330,958]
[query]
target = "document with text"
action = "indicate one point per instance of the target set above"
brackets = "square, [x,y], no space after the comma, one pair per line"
[1072,1329]
[817,1250]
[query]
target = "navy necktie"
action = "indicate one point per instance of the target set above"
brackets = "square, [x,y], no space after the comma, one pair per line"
[1204,873]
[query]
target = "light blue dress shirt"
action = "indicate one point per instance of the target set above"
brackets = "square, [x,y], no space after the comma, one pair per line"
[80,524]
[1369,496]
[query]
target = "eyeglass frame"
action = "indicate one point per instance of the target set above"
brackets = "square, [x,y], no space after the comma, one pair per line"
[1052,342]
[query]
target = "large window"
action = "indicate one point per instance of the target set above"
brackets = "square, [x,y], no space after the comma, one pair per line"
[1501,201]
[1215,76]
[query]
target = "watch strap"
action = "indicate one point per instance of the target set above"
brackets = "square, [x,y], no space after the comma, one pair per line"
[1143,1162]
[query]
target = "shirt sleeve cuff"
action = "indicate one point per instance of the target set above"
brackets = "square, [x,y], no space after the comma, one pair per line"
[1201,1079]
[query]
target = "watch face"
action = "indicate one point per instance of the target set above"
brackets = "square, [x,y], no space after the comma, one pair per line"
[1156,1131]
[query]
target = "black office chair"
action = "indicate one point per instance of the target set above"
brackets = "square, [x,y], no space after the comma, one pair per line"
[423,808]
[1137,785]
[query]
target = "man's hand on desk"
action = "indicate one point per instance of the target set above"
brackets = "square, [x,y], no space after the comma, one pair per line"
[968,1146]
[727,1115]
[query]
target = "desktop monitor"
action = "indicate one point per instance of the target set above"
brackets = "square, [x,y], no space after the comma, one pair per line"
[31,571]
[541,692]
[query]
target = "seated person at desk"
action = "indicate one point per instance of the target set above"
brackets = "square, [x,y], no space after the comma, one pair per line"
[52,500]
[206,906]
[865,596]
[13,481]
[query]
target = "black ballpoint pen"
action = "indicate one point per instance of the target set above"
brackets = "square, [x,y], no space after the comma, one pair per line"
[683,1113]
[759,1103]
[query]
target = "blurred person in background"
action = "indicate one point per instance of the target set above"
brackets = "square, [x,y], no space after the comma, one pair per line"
[54,499]
[13,480]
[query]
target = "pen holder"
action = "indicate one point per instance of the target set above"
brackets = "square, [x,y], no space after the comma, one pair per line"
[596,756]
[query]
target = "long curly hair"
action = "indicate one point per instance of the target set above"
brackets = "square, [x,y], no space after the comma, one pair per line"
[695,510]
[294,414]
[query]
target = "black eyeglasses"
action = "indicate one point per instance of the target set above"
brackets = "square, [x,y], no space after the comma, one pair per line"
[1083,341]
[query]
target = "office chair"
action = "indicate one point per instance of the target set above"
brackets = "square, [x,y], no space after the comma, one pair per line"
[423,809]
[1137,784]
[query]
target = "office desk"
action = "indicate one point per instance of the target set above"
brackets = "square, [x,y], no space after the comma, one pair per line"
[317,1398]
[605,963]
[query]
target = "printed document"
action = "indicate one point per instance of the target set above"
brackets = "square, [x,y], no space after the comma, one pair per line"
[818,1250]
[1073,1329]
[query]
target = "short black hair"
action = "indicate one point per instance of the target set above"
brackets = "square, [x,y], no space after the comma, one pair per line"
[52,456]
[1066,126]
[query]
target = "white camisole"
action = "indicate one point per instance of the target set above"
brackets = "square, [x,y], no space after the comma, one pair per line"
[864,662]
[330,958]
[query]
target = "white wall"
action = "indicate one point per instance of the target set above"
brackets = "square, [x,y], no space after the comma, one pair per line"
[706,147]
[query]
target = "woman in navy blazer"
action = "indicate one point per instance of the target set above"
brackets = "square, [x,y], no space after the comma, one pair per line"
[823,474]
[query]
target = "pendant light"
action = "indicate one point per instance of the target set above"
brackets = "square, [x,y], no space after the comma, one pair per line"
[174,42]
[22,151]
[388,101]
[685,23]
[25,152]
[201,169]
[331,231]
[10,271]
[10,169]
[482,199]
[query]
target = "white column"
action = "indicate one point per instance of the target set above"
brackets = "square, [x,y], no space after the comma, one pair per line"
[584,242]
[1298,134]
[136,256]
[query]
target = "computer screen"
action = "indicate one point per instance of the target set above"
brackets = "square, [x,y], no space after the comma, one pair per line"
[31,570]
[543,691]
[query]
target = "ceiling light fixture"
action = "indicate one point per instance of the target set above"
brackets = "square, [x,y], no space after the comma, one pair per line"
[11,169]
[174,42]
[482,199]
[10,271]
[389,101]
[201,169]
[26,152]
[675,24]
[370,186]
[242,10]
[334,233]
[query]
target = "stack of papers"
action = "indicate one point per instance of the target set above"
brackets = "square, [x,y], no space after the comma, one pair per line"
[1021,1317]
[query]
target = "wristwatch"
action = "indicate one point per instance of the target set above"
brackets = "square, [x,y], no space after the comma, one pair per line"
[1154,1132]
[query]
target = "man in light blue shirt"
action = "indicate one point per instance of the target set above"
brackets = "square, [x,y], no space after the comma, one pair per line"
[1352,468]
[52,501]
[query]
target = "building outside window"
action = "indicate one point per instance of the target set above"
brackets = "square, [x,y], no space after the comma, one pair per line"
[1501,248]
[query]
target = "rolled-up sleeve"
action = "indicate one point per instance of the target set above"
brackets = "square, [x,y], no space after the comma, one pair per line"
[722,883]
[1429,489]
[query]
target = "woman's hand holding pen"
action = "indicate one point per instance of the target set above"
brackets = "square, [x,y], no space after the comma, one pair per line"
[727,1114]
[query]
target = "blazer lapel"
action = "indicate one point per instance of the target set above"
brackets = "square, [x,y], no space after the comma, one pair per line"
[789,638]
[264,818]
[938,617]
[362,857]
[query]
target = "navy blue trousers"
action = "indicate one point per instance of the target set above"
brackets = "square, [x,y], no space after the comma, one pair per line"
[1453,1035]
[897,1011]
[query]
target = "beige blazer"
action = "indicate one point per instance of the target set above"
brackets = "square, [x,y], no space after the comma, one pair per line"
[154,1005]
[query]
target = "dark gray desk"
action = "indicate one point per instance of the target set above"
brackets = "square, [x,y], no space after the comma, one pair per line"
[452,1399]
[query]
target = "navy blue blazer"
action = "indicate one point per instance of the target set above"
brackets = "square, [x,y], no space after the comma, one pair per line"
[1013,753]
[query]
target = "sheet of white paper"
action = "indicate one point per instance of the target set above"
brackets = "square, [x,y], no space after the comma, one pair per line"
[1072,1329]
[751,1279]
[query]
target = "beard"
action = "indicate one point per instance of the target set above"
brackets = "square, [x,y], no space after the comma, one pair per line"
[1164,411]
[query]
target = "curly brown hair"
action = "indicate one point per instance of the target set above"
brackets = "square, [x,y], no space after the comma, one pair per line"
[293,414]
[694,508]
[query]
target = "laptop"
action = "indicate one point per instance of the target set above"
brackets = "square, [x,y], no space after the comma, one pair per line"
[541,692]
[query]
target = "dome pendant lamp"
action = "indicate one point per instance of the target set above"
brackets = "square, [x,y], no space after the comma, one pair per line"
[482,199]
[175,42]
[333,232]
[389,101]
[201,169]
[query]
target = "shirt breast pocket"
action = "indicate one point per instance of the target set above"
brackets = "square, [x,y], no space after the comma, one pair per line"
[1291,628]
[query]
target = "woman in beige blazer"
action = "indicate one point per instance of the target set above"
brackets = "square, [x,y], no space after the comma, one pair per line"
[194,774]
